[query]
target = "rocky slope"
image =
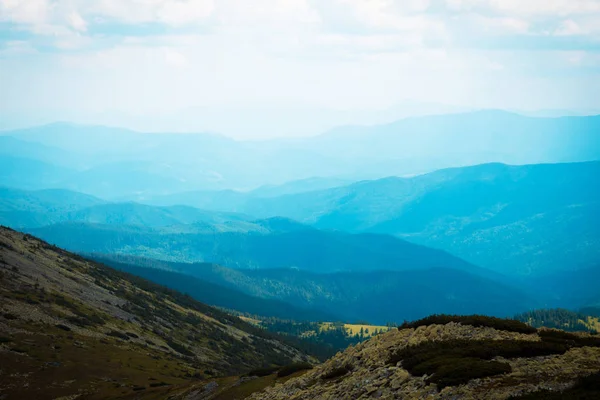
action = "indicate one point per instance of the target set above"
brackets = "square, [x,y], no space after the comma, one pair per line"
[71,327]
[369,370]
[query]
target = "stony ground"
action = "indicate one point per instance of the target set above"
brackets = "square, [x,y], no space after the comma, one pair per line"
[371,377]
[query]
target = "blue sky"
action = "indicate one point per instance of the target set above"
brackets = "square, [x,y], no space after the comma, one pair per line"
[197,62]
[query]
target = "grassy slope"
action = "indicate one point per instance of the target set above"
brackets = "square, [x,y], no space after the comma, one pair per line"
[69,326]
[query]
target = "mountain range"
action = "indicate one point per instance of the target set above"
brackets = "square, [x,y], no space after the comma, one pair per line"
[492,215]
[375,296]
[165,265]
[118,163]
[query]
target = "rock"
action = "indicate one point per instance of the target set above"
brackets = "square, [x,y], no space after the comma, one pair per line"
[372,377]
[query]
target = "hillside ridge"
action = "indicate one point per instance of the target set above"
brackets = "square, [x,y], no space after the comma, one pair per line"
[528,362]
[70,326]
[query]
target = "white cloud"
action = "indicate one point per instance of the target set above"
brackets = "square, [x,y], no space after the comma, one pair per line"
[24,11]
[73,13]
[340,53]
[77,22]
[546,7]
[171,12]
[568,28]
[184,12]
[499,25]
[175,58]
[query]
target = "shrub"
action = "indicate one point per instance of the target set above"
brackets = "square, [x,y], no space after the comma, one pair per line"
[483,349]
[588,341]
[181,349]
[118,334]
[337,372]
[260,372]
[19,350]
[455,362]
[554,334]
[473,320]
[295,367]
[462,370]
[568,339]
[63,327]
[158,384]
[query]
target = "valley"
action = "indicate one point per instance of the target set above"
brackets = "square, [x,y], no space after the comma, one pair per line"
[195,278]
[68,324]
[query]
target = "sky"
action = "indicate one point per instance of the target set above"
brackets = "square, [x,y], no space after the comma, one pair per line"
[268,68]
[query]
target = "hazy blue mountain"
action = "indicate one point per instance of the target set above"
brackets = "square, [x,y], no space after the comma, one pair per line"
[29,209]
[22,208]
[227,200]
[493,215]
[234,200]
[258,247]
[75,138]
[166,163]
[13,147]
[27,173]
[48,200]
[163,163]
[375,296]
[113,180]
[215,294]
[469,138]
[573,290]
[143,215]
[299,186]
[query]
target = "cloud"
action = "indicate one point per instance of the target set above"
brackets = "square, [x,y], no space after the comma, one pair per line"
[528,7]
[498,25]
[77,22]
[165,54]
[567,28]
[175,58]
[170,12]
[546,7]
[78,14]
[24,11]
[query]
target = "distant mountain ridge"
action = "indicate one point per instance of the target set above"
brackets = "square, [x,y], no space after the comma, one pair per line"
[307,249]
[30,209]
[375,296]
[211,293]
[488,214]
[118,163]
